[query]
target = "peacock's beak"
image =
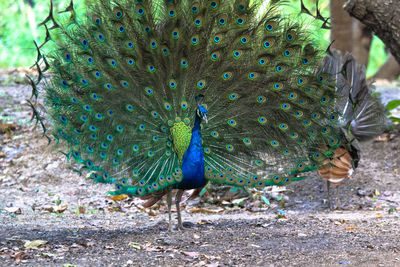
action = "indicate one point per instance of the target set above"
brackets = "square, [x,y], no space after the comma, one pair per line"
[205,118]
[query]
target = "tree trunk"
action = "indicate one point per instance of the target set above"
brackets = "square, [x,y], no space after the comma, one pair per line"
[349,34]
[342,31]
[382,17]
[362,39]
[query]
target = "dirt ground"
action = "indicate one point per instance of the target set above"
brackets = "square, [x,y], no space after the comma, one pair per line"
[51,216]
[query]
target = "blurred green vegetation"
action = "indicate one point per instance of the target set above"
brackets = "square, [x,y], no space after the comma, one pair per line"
[18,29]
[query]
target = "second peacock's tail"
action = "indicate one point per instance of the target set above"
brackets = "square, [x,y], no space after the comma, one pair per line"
[362,115]
[123,94]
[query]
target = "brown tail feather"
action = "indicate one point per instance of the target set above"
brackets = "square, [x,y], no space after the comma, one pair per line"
[338,168]
[153,198]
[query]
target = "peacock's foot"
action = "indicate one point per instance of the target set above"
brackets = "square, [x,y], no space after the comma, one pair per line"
[185,226]
[334,205]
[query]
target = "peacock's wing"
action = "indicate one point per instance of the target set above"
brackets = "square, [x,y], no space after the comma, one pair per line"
[125,79]
[363,114]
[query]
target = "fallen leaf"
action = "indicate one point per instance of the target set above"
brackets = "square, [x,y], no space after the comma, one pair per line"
[82,210]
[350,227]
[48,255]
[391,210]
[266,200]
[202,222]
[239,201]
[59,208]
[156,249]
[152,212]
[34,244]
[13,238]
[204,210]
[20,256]
[7,127]
[14,210]
[379,215]
[134,245]
[119,197]
[191,253]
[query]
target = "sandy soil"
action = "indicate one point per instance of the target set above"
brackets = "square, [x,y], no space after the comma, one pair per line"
[42,198]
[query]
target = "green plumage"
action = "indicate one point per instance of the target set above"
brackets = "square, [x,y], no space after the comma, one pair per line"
[123,77]
[181,135]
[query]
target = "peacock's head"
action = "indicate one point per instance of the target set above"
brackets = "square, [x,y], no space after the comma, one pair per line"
[201,111]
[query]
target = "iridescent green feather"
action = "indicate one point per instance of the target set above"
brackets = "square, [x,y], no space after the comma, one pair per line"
[181,135]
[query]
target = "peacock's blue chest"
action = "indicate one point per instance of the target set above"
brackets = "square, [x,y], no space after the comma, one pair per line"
[193,162]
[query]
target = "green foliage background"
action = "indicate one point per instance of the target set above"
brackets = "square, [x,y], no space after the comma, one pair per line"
[18,29]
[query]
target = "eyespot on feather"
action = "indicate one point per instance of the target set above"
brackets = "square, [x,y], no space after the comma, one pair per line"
[96,19]
[198,21]
[118,12]
[291,35]
[140,10]
[222,20]
[241,20]
[309,49]
[268,43]
[215,56]
[271,25]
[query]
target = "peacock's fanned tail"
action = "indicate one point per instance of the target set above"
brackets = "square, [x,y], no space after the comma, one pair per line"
[126,76]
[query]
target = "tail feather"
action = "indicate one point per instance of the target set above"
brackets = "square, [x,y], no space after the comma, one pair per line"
[362,112]
[125,78]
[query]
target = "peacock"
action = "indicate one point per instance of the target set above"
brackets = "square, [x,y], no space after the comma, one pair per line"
[362,117]
[153,96]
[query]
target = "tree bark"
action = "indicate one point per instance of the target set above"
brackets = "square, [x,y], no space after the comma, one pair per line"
[382,17]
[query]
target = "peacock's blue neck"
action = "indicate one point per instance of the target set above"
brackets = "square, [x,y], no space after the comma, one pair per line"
[193,161]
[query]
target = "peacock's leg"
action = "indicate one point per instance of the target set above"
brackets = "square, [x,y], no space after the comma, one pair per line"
[333,198]
[178,199]
[328,189]
[169,202]
[337,199]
